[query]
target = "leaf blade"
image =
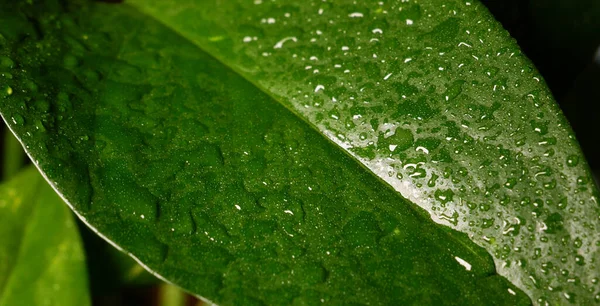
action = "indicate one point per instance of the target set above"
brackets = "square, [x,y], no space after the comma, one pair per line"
[115,190]
[488,131]
[119,167]
[42,258]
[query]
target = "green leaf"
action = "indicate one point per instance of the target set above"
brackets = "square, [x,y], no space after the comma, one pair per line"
[254,152]
[41,257]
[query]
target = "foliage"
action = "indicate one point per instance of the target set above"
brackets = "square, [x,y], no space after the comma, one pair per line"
[260,153]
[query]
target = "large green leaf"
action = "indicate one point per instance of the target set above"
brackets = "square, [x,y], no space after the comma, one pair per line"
[257,152]
[41,257]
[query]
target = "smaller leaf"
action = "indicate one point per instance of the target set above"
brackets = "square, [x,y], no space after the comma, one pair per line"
[41,257]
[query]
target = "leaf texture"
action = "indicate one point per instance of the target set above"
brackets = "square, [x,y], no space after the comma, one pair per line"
[263,153]
[41,257]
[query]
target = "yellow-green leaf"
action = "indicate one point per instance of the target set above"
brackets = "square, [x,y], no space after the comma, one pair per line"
[41,257]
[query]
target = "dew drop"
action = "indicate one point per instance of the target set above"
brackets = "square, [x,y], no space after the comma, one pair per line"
[487,223]
[39,126]
[510,183]
[577,242]
[572,160]
[18,119]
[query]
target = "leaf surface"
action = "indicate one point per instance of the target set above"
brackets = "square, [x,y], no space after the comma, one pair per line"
[246,150]
[41,257]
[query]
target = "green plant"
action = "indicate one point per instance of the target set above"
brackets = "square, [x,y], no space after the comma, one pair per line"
[254,152]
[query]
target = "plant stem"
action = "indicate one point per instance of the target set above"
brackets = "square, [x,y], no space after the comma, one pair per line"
[14,156]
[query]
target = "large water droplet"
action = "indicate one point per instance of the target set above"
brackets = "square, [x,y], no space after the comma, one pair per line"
[572,160]
[401,140]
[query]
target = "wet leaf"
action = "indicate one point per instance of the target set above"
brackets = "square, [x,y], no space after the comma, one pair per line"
[254,152]
[41,256]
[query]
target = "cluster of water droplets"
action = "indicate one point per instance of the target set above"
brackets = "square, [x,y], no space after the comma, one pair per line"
[433,98]
[164,163]
[439,102]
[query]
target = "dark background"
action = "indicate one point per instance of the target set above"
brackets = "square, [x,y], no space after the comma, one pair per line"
[562,37]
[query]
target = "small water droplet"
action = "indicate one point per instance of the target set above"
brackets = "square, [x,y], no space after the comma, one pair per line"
[356,15]
[577,242]
[402,139]
[18,119]
[572,160]
[39,126]
[452,219]
[510,183]
[486,223]
[581,180]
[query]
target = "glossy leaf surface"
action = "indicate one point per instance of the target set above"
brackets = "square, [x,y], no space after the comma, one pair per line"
[236,175]
[41,257]
[436,99]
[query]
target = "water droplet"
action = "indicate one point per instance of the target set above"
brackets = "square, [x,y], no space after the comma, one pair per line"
[402,139]
[39,125]
[570,297]
[18,119]
[563,203]
[510,183]
[577,242]
[280,43]
[486,223]
[444,196]
[539,127]
[356,15]
[511,229]
[572,160]
[452,219]
[432,180]
[463,263]
[537,253]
